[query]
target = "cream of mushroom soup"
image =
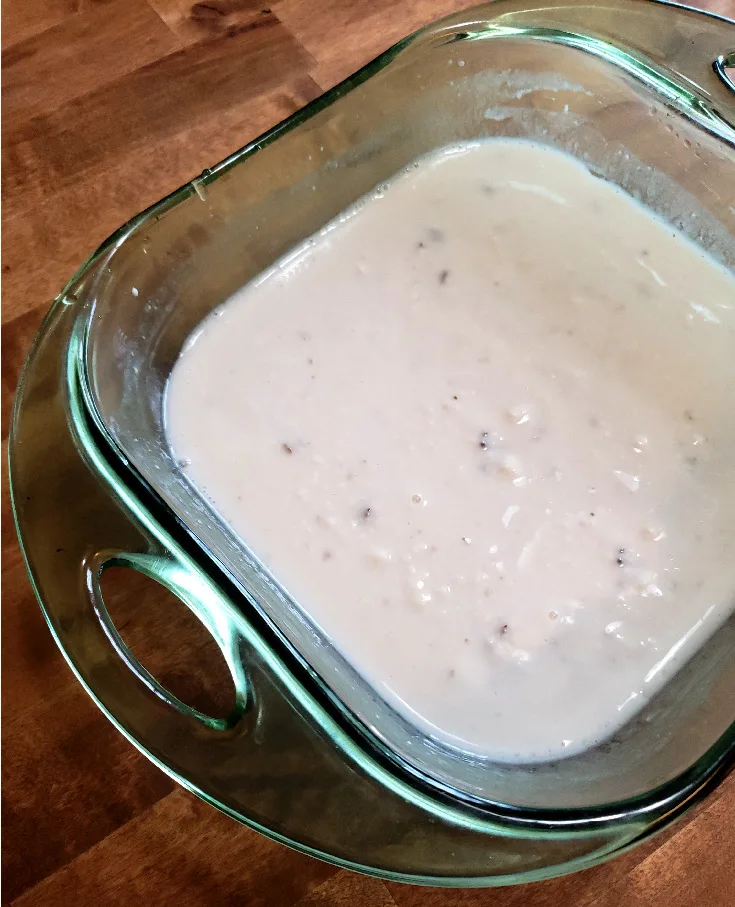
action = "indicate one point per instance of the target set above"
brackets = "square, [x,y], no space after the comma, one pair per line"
[481,430]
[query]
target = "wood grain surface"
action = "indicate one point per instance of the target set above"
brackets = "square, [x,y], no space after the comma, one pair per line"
[107,106]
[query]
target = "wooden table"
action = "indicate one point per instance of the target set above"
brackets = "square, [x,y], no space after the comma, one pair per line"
[107,106]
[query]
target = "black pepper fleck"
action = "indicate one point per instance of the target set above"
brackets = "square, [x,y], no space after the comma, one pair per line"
[366,513]
[620,559]
[484,443]
[327,555]
[689,415]
[503,629]
[286,448]
[443,275]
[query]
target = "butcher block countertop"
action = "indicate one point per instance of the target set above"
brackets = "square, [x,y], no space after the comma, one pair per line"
[108,105]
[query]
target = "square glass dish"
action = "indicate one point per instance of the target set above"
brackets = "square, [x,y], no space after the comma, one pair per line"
[639,93]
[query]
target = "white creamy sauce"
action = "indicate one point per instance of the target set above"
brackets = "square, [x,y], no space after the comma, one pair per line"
[482,430]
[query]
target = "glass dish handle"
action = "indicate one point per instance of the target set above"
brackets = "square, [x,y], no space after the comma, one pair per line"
[724,67]
[697,47]
[76,518]
[193,590]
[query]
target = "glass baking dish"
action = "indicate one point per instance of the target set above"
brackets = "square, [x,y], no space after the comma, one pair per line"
[639,93]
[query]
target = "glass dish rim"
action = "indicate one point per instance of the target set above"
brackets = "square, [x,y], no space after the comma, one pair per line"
[723,747]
